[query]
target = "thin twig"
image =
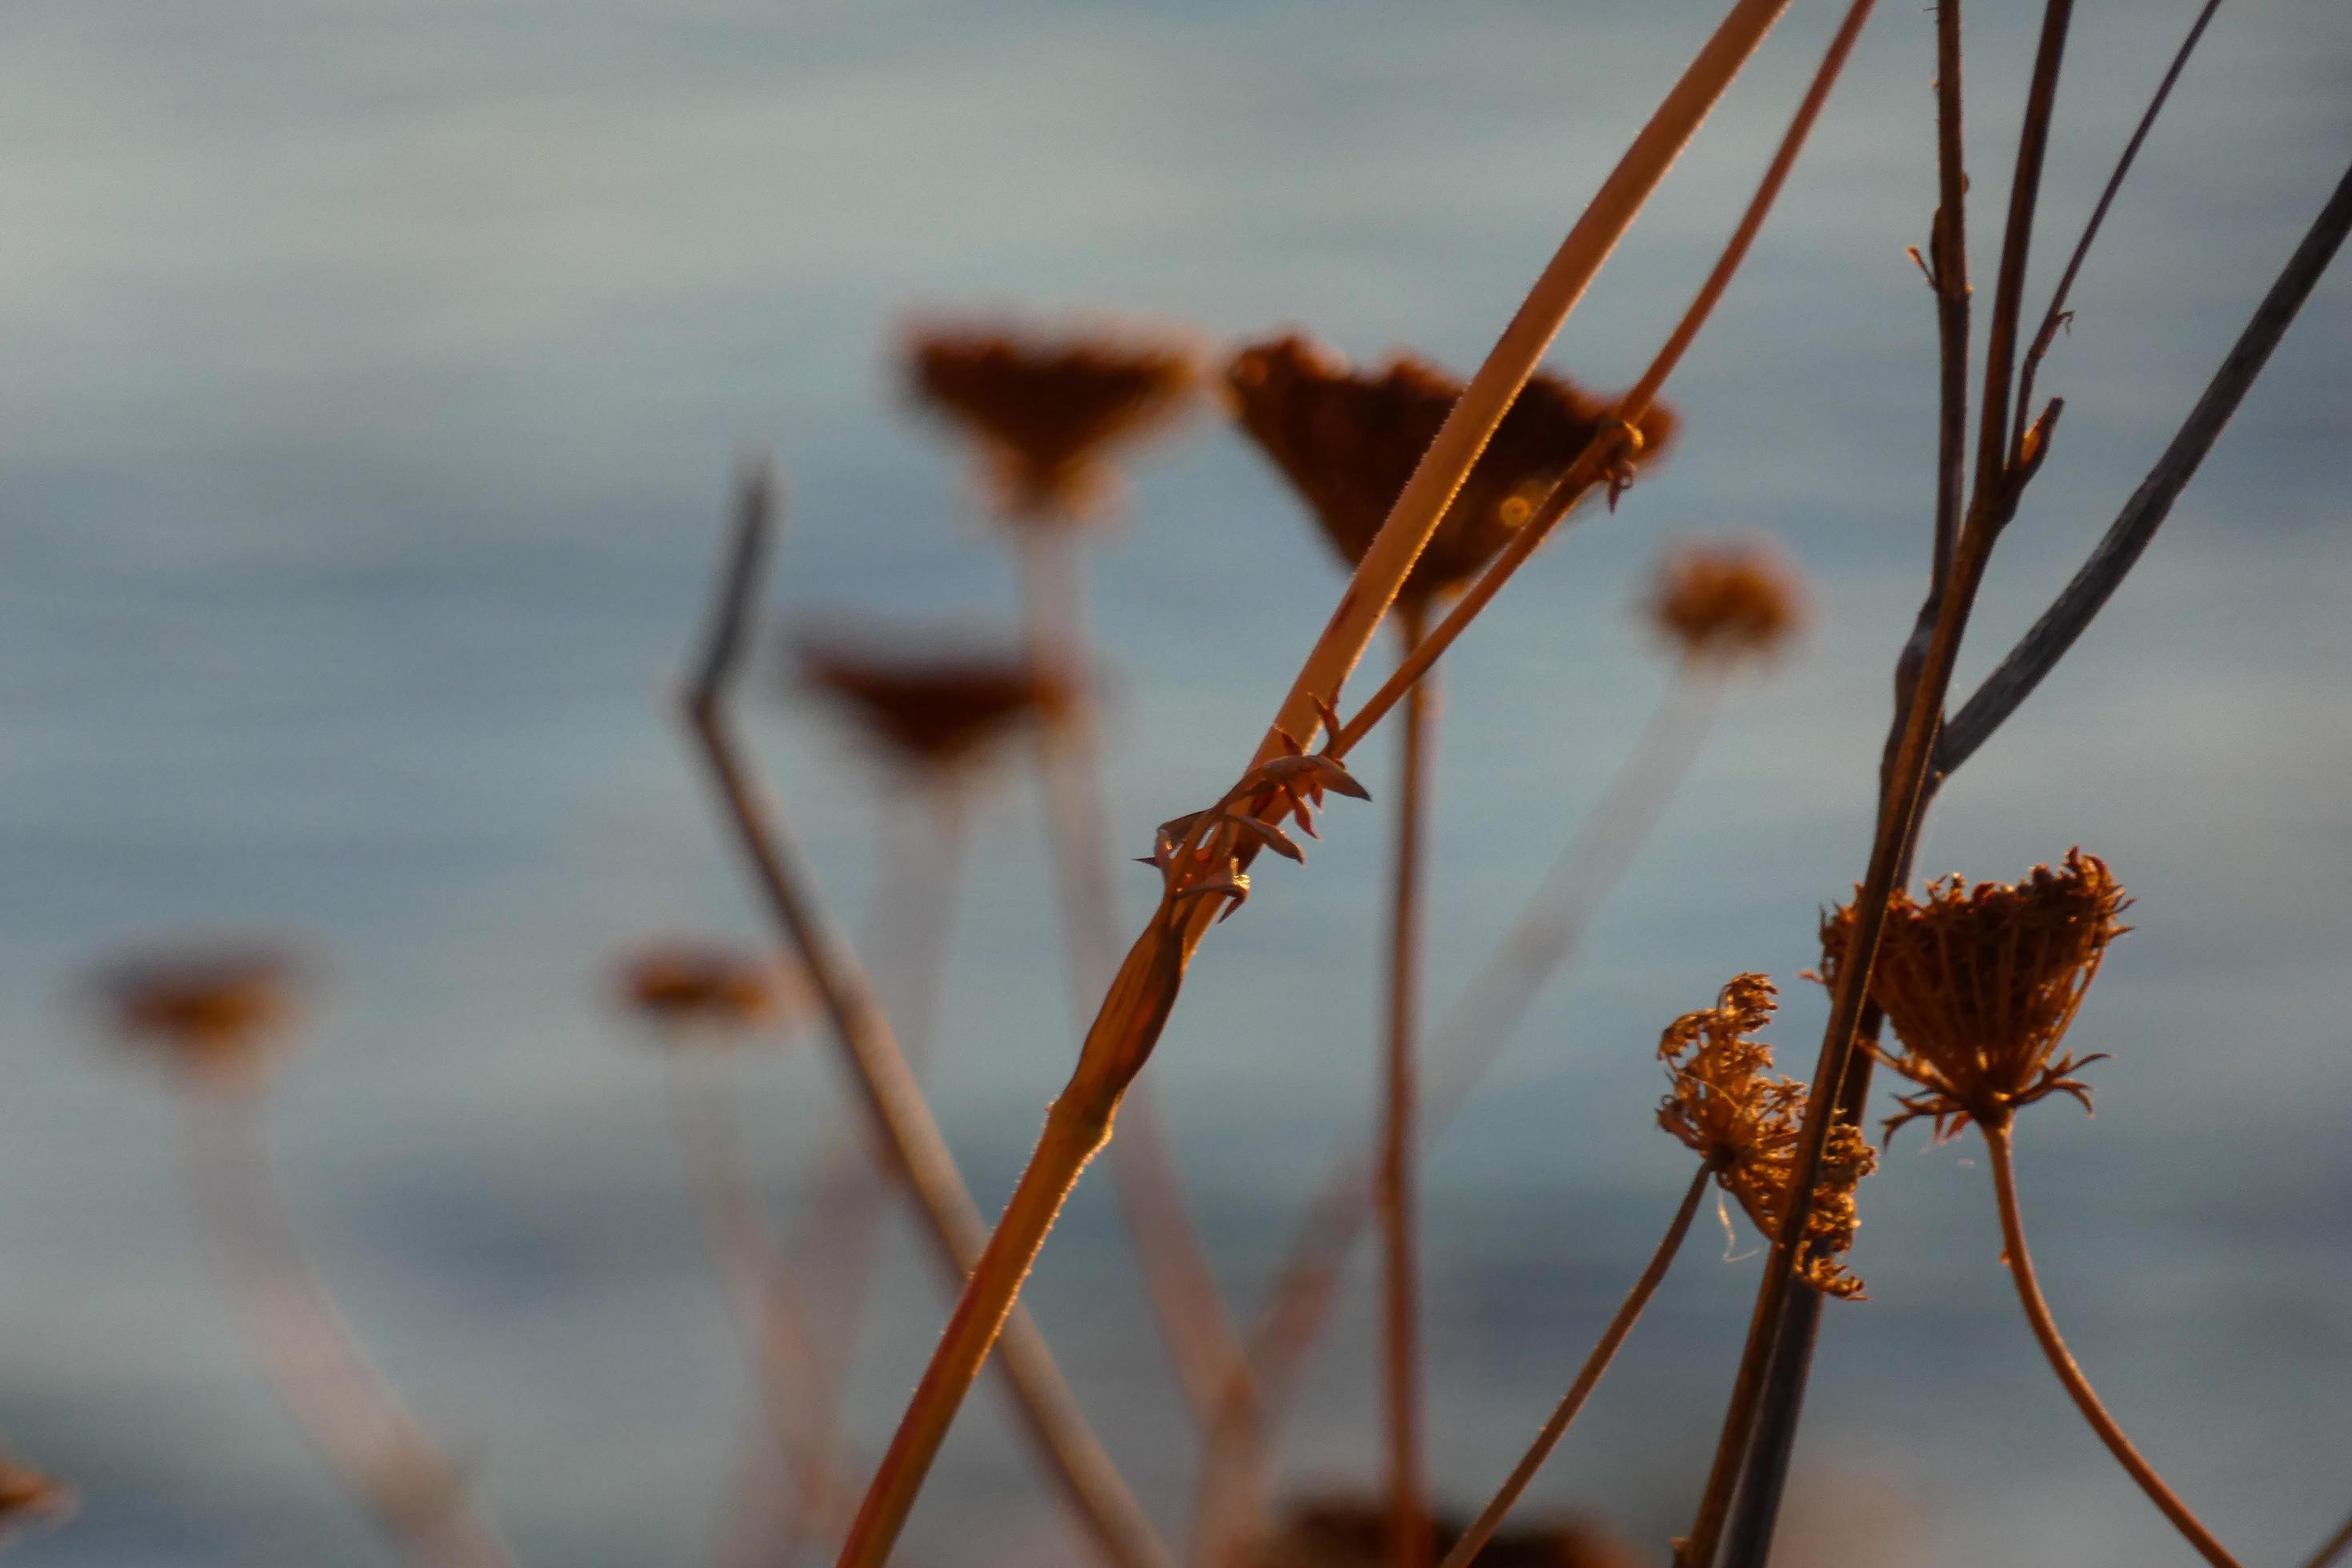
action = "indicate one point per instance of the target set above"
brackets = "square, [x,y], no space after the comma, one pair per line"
[1588,1378]
[1399,1272]
[2078,1387]
[2058,315]
[2334,1547]
[1948,245]
[909,1141]
[310,1351]
[2039,651]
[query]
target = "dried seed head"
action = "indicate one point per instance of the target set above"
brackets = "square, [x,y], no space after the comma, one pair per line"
[1727,1105]
[1046,413]
[1728,600]
[932,714]
[27,1496]
[703,992]
[1981,983]
[1351,1531]
[214,1012]
[1348,440]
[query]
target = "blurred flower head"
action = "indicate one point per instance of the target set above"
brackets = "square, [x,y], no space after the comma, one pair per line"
[1722,602]
[1982,983]
[1348,440]
[1046,412]
[934,714]
[704,991]
[1727,1105]
[1341,1531]
[27,1496]
[211,1011]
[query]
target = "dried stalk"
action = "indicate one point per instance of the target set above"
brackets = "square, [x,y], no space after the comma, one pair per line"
[908,1143]
[307,1348]
[1143,993]
[1588,1378]
[1399,1276]
[2334,1547]
[2078,1387]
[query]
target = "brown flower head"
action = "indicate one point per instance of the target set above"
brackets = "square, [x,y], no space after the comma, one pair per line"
[1348,440]
[1727,1105]
[1726,600]
[934,713]
[28,1497]
[702,991]
[1046,413]
[1981,983]
[1344,1531]
[213,1012]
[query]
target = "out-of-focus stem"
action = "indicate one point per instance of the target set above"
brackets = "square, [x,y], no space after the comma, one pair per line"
[1588,1378]
[307,1350]
[2062,1362]
[1399,1275]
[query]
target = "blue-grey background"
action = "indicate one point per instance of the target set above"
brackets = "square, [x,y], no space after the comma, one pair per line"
[369,380]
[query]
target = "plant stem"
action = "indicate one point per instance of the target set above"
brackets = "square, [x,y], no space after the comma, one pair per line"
[1588,1378]
[2332,1547]
[1400,1281]
[307,1348]
[2078,1387]
[908,1139]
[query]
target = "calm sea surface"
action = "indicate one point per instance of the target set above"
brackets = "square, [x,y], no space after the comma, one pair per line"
[369,381]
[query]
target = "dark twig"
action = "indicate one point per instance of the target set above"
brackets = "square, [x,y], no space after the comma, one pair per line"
[2334,1547]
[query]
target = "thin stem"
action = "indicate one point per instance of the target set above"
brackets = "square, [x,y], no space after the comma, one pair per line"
[1186,1302]
[2078,1387]
[2334,1547]
[1588,1378]
[908,1141]
[1400,1274]
[307,1348]
[1949,244]
[2057,315]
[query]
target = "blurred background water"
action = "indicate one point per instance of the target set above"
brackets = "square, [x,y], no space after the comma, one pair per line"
[369,378]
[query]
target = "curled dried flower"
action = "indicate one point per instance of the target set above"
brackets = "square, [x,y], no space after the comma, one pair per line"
[1348,440]
[28,1497]
[217,1013]
[1723,1102]
[701,990]
[1046,413]
[933,713]
[1728,600]
[1344,1531]
[1981,983]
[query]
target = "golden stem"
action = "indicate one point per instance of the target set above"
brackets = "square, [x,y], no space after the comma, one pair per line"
[1588,1378]
[2062,1362]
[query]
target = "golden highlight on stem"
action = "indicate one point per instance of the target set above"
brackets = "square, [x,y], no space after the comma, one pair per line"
[1588,1378]
[2063,1363]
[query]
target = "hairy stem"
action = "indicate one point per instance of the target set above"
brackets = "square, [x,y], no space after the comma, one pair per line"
[2062,1362]
[1588,1378]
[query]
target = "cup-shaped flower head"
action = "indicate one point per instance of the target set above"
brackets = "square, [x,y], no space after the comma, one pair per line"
[1349,1531]
[934,714]
[1980,984]
[211,1013]
[1726,600]
[1726,1104]
[1046,413]
[704,992]
[1349,440]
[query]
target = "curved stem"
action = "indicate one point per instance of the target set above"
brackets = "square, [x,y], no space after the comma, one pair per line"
[1588,1378]
[2062,1362]
[1400,1282]
[306,1347]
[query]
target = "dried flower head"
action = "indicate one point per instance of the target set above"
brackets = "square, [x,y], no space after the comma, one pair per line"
[28,1497]
[1981,983]
[1348,440]
[1048,413]
[1728,600]
[934,713]
[703,991]
[213,1012]
[1727,1105]
[1344,1531]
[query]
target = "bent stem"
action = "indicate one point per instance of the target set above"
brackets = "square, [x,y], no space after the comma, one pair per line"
[307,1348]
[2062,1362]
[1400,1281]
[1588,1378]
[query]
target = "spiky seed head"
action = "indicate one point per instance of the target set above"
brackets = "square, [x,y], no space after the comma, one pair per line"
[1349,440]
[1727,1105]
[704,992]
[1981,983]
[211,1011]
[1725,601]
[934,714]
